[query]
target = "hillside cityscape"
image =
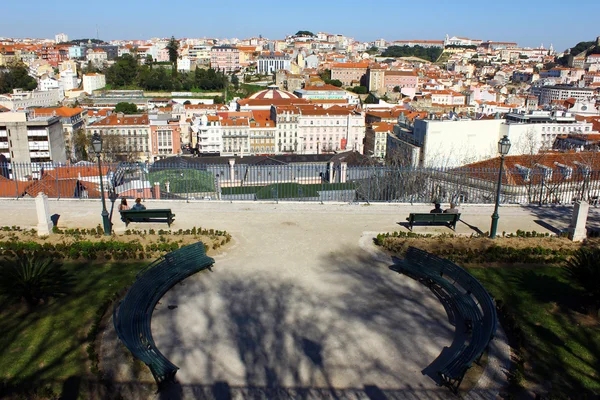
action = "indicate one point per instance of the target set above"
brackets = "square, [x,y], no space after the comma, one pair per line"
[436,102]
[307,217]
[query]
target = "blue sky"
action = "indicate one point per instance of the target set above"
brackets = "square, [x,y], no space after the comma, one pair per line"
[528,22]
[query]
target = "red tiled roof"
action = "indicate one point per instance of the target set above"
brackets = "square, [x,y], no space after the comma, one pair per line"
[551,161]
[116,120]
[59,111]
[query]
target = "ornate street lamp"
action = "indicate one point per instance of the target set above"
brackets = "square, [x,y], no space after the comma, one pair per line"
[503,148]
[97,147]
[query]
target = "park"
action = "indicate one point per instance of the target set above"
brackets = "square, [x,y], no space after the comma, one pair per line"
[302,300]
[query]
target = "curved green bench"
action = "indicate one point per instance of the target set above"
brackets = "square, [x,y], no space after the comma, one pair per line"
[469,299]
[132,316]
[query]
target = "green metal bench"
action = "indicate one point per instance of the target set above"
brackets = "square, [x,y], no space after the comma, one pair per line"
[156,215]
[132,316]
[469,299]
[449,220]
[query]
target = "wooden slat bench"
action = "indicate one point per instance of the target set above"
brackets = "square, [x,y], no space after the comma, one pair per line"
[155,215]
[446,219]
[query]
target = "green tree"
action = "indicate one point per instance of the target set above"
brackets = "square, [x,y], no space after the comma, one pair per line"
[426,53]
[16,77]
[81,144]
[335,82]
[123,72]
[360,90]
[33,278]
[305,33]
[371,99]
[584,269]
[373,50]
[235,81]
[173,48]
[126,108]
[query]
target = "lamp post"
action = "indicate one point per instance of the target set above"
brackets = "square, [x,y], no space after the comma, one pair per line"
[97,146]
[503,148]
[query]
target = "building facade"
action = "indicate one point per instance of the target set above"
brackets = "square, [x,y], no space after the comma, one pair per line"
[127,137]
[273,62]
[93,82]
[25,138]
[225,58]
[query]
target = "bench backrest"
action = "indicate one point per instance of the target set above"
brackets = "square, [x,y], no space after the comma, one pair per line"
[467,281]
[429,217]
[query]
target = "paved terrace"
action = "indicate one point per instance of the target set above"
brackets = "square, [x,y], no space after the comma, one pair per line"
[303,300]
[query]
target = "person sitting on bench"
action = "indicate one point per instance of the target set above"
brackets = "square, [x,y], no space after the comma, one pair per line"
[451,210]
[437,209]
[138,206]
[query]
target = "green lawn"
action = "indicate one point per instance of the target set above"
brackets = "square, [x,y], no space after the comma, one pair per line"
[47,345]
[287,190]
[562,345]
[184,180]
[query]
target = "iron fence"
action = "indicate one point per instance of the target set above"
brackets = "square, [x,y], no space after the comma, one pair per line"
[316,182]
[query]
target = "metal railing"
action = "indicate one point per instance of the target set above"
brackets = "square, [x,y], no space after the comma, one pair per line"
[320,182]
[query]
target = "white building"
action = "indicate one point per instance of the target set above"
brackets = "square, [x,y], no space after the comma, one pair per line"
[20,99]
[68,80]
[207,133]
[61,38]
[93,82]
[273,62]
[46,83]
[327,130]
[560,92]
[184,64]
[452,143]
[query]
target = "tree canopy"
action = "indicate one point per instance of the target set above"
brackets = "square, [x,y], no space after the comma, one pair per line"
[127,73]
[173,48]
[305,33]
[16,77]
[126,108]
[426,53]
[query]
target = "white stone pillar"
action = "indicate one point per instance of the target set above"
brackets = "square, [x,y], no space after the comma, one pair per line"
[232,170]
[577,231]
[343,171]
[44,227]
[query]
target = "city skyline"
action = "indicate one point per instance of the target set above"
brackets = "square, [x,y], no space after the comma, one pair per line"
[525,23]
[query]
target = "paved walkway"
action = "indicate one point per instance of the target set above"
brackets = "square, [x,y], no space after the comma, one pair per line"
[303,300]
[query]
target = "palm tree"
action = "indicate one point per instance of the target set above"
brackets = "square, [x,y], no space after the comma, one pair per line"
[33,278]
[584,269]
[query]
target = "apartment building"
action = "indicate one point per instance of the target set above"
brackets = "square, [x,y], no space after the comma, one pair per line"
[262,133]
[236,135]
[207,135]
[128,136]
[165,137]
[26,138]
[326,130]
[561,92]
[72,119]
[20,99]
[225,58]
[350,74]
[93,82]
[273,62]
